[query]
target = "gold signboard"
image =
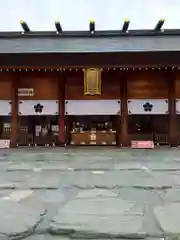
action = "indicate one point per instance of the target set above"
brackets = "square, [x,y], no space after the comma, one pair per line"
[25,92]
[92,81]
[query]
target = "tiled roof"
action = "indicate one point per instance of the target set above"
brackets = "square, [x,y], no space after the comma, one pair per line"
[84,42]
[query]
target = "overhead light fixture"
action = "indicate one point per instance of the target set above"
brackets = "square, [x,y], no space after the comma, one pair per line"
[25,26]
[58,26]
[92,26]
[159,25]
[125,25]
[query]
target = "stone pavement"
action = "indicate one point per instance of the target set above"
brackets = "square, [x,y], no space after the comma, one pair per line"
[100,193]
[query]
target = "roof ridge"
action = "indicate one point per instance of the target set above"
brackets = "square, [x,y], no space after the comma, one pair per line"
[85,33]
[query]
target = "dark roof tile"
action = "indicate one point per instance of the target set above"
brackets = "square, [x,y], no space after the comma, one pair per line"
[82,42]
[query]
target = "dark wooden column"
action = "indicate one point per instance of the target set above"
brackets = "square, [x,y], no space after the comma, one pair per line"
[172,107]
[62,132]
[124,138]
[14,105]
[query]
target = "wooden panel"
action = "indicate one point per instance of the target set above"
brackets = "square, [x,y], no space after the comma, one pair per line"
[160,124]
[110,88]
[5,86]
[178,85]
[45,86]
[147,84]
[97,138]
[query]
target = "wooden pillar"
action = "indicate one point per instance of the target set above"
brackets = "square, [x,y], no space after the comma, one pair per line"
[172,107]
[62,131]
[124,138]
[14,116]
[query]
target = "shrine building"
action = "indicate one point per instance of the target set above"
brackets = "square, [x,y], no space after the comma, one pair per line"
[104,88]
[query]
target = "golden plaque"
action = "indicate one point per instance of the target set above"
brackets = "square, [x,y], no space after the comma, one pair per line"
[92,81]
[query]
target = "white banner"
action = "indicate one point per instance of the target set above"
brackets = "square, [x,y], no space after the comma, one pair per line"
[148,106]
[177,106]
[5,107]
[38,107]
[92,107]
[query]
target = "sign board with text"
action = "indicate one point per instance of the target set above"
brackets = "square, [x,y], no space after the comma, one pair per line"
[25,92]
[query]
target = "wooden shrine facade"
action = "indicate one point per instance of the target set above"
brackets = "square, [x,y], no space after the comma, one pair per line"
[42,82]
[138,91]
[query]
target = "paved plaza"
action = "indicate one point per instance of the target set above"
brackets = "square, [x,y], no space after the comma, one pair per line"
[98,193]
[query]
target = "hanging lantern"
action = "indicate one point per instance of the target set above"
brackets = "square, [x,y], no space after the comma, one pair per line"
[92,81]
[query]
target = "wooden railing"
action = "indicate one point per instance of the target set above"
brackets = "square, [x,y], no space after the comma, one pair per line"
[158,138]
[161,138]
[178,139]
[24,138]
[6,134]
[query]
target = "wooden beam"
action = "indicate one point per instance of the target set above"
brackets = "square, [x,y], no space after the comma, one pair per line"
[62,132]
[100,60]
[172,107]
[124,138]
[14,116]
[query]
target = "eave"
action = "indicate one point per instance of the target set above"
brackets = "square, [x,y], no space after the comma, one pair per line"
[80,60]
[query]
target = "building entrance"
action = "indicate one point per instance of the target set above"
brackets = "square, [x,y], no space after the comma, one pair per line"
[93,130]
[38,122]
[38,130]
[92,122]
[149,128]
[5,127]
